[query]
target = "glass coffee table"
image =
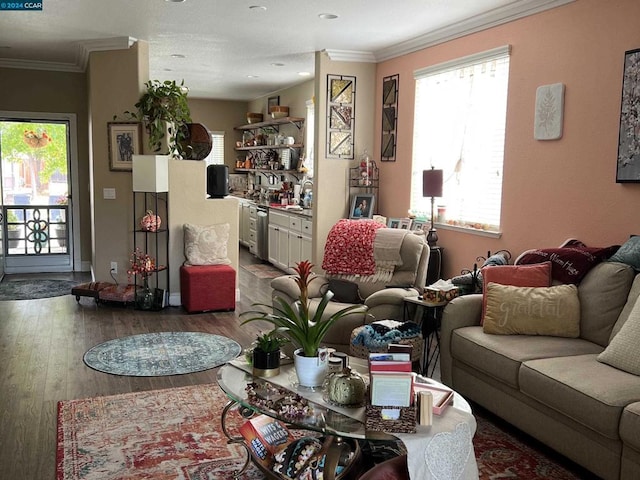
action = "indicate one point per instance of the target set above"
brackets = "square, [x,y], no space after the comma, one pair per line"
[306,409]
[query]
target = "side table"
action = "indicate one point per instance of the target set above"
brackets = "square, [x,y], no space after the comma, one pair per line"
[428,315]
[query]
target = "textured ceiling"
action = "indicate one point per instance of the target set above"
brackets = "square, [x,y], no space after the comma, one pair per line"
[232,51]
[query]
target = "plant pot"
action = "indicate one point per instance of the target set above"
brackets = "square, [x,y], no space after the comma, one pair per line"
[61,234]
[266,364]
[310,370]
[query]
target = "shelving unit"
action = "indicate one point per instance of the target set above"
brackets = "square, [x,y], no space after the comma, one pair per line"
[153,243]
[361,184]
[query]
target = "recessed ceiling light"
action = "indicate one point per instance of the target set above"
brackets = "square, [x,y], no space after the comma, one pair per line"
[168,70]
[276,64]
[174,1]
[177,55]
[252,76]
[304,74]
[256,8]
[327,16]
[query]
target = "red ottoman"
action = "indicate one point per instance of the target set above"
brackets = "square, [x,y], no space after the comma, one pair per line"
[207,287]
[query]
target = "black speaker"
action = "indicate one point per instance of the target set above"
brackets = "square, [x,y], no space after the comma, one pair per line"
[217,181]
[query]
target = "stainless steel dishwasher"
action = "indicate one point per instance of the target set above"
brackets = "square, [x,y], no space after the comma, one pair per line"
[262,233]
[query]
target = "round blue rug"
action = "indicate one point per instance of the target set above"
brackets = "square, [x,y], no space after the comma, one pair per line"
[163,353]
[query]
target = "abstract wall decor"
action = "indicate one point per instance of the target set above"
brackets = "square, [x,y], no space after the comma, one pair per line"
[389,117]
[628,165]
[549,112]
[341,106]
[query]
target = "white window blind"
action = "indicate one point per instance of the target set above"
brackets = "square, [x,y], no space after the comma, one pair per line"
[459,127]
[216,157]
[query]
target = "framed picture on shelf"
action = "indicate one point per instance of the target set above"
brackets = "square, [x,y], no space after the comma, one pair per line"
[125,141]
[362,205]
[394,222]
[272,102]
[405,224]
[418,225]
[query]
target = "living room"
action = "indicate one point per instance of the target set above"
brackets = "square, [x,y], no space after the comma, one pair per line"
[552,190]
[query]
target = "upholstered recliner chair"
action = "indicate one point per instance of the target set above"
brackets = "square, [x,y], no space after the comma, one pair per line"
[381,298]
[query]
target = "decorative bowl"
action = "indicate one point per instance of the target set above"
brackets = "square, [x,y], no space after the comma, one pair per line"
[254,117]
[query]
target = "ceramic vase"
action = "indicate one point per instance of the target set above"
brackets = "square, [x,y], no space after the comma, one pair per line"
[144,296]
[311,371]
[266,364]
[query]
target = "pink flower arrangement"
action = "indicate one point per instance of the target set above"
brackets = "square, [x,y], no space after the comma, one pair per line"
[141,264]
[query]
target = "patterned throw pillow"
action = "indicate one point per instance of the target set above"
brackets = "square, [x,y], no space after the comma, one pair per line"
[622,351]
[629,253]
[553,311]
[206,244]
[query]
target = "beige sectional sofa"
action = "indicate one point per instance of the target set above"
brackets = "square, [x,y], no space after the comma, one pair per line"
[555,388]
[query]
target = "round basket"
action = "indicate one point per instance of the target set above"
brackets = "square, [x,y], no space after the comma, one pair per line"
[361,351]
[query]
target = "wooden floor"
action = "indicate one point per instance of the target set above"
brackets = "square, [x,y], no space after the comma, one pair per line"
[42,343]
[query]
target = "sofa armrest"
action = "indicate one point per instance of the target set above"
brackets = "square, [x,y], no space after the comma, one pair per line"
[393,296]
[287,288]
[460,312]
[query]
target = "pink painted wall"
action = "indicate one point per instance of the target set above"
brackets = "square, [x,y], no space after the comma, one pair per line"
[552,190]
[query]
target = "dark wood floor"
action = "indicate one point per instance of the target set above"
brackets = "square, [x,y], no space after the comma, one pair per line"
[42,343]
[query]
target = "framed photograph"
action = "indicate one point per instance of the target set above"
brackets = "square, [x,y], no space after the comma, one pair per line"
[405,224]
[418,225]
[628,164]
[362,205]
[272,102]
[394,222]
[125,141]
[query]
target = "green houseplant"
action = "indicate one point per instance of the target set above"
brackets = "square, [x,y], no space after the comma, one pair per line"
[295,321]
[266,354]
[163,107]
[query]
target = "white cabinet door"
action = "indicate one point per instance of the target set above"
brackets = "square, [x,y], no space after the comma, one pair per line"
[274,232]
[305,248]
[295,248]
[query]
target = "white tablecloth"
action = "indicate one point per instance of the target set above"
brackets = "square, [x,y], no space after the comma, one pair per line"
[442,451]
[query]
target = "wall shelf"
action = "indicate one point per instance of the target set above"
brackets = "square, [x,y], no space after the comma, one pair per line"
[276,122]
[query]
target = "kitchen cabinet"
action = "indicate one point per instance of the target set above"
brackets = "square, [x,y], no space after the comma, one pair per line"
[252,227]
[290,237]
[300,235]
[244,216]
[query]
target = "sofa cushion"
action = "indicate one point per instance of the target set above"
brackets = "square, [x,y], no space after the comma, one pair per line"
[345,325]
[630,425]
[622,351]
[580,387]
[344,291]
[568,264]
[629,253]
[603,293]
[538,275]
[634,293]
[500,356]
[553,311]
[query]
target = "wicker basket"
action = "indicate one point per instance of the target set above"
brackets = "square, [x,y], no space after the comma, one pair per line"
[406,422]
[361,351]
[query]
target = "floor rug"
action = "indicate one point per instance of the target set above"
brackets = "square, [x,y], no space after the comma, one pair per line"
[263,271]
[163,353]
[32,289]
[175,434]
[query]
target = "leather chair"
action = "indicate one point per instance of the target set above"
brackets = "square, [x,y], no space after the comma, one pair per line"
[381,300]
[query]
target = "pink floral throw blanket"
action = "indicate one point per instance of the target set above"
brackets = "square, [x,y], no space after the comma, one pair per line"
[349,248]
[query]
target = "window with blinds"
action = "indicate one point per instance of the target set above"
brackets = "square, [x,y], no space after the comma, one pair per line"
[216,157]
[459,127]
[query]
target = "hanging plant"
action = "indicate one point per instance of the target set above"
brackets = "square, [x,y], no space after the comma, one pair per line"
[36,139]
[164,107]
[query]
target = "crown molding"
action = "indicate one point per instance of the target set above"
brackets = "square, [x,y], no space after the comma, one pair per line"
[350,56]
[498,16]
[82,56]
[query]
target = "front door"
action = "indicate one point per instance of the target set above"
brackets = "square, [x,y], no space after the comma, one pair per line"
[37,230]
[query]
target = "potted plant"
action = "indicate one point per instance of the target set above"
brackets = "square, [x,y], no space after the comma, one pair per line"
[305,331]
[266,354]
[164,108]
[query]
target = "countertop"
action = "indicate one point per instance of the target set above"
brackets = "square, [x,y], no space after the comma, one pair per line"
[305,212]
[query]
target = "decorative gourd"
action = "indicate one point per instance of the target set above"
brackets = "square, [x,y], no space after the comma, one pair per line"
[150,222]
[346,388]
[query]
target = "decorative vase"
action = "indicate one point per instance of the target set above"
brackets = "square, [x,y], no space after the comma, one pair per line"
[311,371]
[144,296]
[266,364]
[150,222]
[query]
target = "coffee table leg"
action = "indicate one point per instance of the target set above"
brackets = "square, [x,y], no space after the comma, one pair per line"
[245,412]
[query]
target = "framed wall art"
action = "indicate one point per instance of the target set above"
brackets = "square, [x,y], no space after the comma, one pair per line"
[125,141]
[362,205]
[389,117]
[628,164]
[272,102]
[341,106]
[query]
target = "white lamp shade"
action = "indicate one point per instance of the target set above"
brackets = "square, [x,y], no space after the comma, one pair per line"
[150,173]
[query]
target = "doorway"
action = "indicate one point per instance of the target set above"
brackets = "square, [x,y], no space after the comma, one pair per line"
[37,156]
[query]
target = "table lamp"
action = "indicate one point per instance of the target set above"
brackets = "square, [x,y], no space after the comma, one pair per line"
[432,187]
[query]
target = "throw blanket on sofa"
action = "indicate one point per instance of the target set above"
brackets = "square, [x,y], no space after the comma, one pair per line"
[380,334]
[362,250]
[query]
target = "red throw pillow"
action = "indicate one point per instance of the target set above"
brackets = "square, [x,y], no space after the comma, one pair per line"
[538,275]
[569,264]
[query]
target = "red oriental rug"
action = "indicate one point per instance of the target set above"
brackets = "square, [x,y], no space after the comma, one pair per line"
[176,434]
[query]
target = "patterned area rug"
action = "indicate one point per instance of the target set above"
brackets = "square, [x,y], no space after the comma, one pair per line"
[176,434]
[31,289]
[163,353]
[263,271]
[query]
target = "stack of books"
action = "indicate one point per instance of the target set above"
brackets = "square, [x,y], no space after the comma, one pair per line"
[391,379]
